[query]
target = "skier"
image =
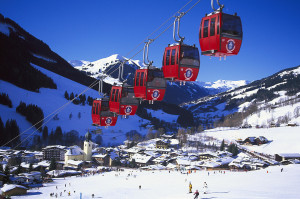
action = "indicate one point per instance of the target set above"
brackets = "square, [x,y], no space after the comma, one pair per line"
[190,187]
[196,194]
[205,187]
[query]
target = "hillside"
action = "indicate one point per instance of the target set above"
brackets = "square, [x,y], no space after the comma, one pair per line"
[19,49]
[33,74]
[271,100]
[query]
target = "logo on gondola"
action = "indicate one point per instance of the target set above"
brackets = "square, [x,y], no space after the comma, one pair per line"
[188,73]
[128,109]
[155,94]
[230,46]
[108,121]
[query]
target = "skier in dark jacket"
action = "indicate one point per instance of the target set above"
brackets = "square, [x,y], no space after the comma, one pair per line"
[196,194]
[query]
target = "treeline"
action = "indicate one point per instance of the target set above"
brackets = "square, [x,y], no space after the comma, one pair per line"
[81,99]
[33,113]
[9,132]
[15,64]
[4,99]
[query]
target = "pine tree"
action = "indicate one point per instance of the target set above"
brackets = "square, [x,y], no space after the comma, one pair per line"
[12,133]
[30,167]
[58,135]
[19,170]
[72,96]
[45,133]
[222,147]
[52,164]
[1,132]
[67,95]
[1,168]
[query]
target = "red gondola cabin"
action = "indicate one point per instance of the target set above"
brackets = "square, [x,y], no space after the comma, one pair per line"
[181,62]
[220,35]
[101,114]
[122,100]
[149,84]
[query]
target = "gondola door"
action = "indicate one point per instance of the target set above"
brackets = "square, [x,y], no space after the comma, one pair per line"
[96,112]
[170,62]
[114,101]
[140,83]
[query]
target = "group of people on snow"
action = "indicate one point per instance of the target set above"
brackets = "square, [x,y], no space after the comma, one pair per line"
[205,187]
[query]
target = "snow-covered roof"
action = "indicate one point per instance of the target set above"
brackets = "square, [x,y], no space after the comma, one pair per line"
[74,162]
[8,187]
[183,161]
[141,158]
[74,150]
[54,146]
[290,155]
[99,155]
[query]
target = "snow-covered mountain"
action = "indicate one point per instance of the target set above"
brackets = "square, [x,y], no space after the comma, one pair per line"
[108,67]
[190,91]
[33,74]
[269,101]
[220,86]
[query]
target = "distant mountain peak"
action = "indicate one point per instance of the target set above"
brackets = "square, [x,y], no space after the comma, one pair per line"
[222,85]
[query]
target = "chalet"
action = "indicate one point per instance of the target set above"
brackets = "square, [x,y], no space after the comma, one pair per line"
[102,159]
[287,156]
[206,156]
[74,164]
[183,162]
[261,140]
[292,124]
[250,140]
[165,136]
[13,190]
[56,151]
[163,144]
[142,160]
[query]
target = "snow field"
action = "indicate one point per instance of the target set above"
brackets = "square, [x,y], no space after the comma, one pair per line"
[282,139]
[265,183]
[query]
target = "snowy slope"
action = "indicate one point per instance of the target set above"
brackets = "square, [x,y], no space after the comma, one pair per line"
[52,99]
[271,100]
[282,139]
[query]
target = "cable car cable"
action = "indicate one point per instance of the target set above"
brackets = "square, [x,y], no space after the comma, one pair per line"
[96,82]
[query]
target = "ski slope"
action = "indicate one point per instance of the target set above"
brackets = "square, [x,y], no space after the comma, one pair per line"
[52,100]
[265,183]
[282,139]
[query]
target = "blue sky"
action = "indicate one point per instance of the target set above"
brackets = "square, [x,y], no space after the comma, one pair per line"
[94,29]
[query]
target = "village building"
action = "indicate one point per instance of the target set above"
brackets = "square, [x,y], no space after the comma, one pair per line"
[56,152]
[75,156]
[13,190]
[163,144]
[250,141]
[261,140]
[142,160]
[102,159]
[287,156]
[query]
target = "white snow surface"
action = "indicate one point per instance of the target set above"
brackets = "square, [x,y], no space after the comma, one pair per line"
[49,100]
[97,67]
[265,183]
[223,85]
[282,139]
